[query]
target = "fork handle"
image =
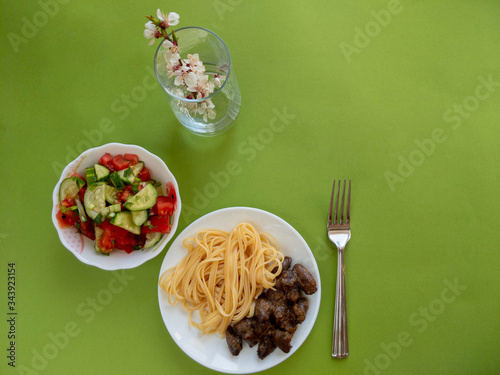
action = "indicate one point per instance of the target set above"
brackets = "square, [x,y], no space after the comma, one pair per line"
[340,346]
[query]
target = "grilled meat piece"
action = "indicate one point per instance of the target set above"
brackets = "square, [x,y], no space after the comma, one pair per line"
[263,308]
[282,340]
[293,295]
[266,347]
[234,342]
[299,310]
[287,280]
[306,281]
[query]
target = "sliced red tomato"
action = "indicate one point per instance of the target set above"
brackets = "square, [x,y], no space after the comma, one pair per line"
[123,194]
[129,242]
[87,229]
[109,237]
[81,193]
[171,192]
[144,174]
[113,229]
[120,163]
[107,161]
[127,248]
[159,223]
[68,202]
[67,219]
[164,206]
[133,158]
[119,238]
[107,241]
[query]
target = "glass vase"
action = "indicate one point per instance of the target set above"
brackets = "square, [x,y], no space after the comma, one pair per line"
[213,114]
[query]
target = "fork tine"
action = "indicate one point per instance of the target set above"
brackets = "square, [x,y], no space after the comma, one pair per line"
[336,205]
[348,213]
[342,205]
[331,205]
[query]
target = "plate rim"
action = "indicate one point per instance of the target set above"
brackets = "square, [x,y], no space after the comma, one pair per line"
[311,314]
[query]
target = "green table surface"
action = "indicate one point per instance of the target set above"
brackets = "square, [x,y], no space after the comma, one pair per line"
[402,97]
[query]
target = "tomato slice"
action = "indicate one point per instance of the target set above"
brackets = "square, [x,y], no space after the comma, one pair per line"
[129,242]
[159,223]
[119,238]
[171,192]
[107,241]
[133,158]
[164,206]
[107,161]
[123,194]
[68,202]
[87,229]
[120,163]
[81,193]
[67,219]
[144,174]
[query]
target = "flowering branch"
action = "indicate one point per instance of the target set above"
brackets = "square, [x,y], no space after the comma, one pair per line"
[188,74]
[157,28]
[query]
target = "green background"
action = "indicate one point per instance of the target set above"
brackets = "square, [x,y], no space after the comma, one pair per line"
[362,89]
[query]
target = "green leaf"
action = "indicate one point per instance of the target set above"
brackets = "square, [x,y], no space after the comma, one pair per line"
[98,219]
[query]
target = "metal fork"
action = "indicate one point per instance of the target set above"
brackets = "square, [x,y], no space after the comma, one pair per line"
[339,232]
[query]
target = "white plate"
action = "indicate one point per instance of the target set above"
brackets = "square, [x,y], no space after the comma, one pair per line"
[211,350]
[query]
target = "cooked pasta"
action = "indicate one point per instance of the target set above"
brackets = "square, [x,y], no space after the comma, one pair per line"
[222,275]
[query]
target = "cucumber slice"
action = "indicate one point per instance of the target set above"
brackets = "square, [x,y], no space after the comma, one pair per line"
[81,210]
[94,200]
[144,199]
[152,239]
[70,187]
[101,172]
[98,234]
[116,180]
[127,176]
[124,220]
[111,194]
[158,187]
[139,217]
[137,168]
[115,208]
[90,176]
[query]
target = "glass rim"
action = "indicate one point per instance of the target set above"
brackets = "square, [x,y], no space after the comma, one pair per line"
[212,94]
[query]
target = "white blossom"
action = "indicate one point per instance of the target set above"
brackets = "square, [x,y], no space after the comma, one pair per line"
[173,19]
[191,81]
[149,32]
[219,80]
[170,19]
[206,108]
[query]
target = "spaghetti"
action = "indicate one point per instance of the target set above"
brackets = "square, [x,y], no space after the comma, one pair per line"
[222,275]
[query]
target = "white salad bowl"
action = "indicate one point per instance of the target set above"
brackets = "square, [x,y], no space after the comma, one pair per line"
[83,247]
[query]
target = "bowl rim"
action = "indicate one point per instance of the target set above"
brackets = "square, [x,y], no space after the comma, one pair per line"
[73,165]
